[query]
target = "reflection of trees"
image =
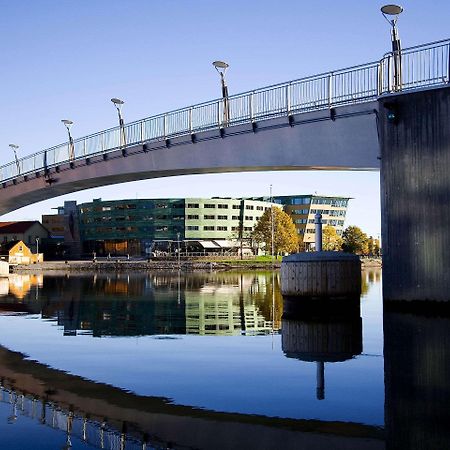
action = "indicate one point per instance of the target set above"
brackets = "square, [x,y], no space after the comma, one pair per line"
[268,297]
[369,277]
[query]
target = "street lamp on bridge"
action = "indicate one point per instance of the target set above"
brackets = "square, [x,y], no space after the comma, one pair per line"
[14,148]
[68,124]
[394,11]
[221,68]
[118,104]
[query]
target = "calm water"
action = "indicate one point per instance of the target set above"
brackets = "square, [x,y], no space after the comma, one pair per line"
[212,361]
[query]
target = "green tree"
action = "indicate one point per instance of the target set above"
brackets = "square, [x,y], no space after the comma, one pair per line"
[331,241]
[355,241]
[285,233]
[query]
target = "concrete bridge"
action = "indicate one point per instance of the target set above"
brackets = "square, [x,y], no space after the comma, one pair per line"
[348,119]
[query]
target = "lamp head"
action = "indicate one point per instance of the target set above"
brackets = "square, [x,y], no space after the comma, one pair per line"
[221,66]
[14,146]
[391,10]
[117,102]
[68,123]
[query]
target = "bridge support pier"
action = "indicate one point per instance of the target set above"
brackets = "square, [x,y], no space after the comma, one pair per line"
[415,195]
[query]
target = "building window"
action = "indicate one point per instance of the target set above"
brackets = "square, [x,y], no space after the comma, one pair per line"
[248,217]
[234,228]
[248,228]
[192,227]
[208,228]
[222,206]
[222,217]
[209,205]
[193,205]
[249,207]
[236,206]
[222,228]
[259,208]
[209,217]
[301,201]
[193,217]
[234,217]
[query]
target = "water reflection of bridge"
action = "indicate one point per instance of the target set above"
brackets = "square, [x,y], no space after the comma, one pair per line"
[47,413]
[111,418]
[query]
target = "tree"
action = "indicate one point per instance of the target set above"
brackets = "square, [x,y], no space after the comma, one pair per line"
[285,233]
[355,241]
[331,241]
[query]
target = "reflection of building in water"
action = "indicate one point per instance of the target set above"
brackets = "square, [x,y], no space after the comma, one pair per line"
[221,310]
[417,379]
[133,304]
[322,331]
[19,285]
[115,305]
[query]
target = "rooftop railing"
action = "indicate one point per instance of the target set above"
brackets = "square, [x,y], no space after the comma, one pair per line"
[421,66]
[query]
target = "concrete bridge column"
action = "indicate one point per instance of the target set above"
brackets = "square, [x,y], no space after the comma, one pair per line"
[415,195]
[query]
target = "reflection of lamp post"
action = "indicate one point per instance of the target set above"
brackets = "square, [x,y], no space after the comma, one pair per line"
[394,11]
[68,124]
[14,148]
[179,253]
[118,104]
[37,247]
[221,68]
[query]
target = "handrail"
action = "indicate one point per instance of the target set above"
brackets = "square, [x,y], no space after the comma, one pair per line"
[418,67]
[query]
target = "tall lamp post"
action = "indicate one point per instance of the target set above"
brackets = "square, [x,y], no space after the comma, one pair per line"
[393,11]
[68,124]
[37,246]
[14,148]
[118,104]
[221,68]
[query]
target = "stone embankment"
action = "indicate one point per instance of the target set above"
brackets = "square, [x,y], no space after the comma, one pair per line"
[130,265]
[124,265]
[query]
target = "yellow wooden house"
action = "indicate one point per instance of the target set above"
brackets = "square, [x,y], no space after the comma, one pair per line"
[16,252]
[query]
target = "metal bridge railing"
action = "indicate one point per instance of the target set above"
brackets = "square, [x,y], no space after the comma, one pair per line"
[421,66]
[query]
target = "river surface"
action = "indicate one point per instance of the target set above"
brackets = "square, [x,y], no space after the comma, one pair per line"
[210,360]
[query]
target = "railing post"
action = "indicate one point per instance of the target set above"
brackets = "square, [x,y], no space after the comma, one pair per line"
[330,90]
[288,99]
[379,78]
[448,63]
[84,147]
[190,120]
[218,114]
[250,106]
[141,131]
[389,84]
[165,125]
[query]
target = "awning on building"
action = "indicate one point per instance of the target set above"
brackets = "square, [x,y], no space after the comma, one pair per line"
[209,244]
[225,243]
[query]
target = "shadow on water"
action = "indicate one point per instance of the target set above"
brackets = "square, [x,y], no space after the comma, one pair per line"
[417,378]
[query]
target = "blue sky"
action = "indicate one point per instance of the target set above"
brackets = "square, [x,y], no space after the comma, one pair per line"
[66,59]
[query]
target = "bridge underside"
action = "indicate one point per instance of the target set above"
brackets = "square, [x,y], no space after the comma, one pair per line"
[343,138]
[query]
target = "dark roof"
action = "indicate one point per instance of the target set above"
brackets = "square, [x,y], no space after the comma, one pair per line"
[6,247]
[17,227]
